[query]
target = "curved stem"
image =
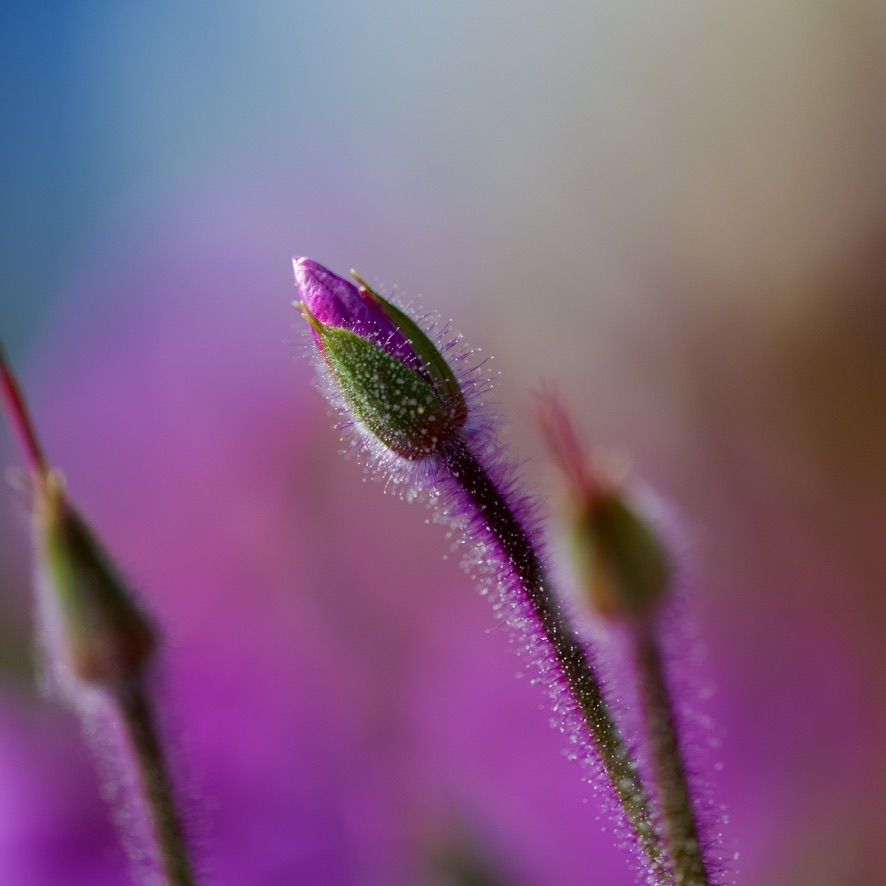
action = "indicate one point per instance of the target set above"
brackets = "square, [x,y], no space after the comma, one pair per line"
[523,559]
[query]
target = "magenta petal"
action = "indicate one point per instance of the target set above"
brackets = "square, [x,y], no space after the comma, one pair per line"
[336,302]
[332,300]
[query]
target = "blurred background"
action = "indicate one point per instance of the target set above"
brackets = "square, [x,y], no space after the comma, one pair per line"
[677,212]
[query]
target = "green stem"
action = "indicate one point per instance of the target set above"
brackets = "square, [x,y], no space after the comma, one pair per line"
[141,728]
[674,799]
[523,559]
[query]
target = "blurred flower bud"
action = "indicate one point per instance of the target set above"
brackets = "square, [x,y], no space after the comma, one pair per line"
[620,560]
[95,631]
[102,635]
[621,563]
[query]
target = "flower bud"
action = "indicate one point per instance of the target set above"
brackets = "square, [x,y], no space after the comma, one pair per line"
[391,375]
[95,631]
[619,559]
[99,635]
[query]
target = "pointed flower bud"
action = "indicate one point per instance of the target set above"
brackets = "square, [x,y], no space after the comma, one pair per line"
[621,563]
[96,632]
[392,377]
[102,635]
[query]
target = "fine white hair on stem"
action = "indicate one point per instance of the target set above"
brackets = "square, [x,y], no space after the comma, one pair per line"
[471,481]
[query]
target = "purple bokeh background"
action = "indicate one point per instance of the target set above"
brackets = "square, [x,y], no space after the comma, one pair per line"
[678,215]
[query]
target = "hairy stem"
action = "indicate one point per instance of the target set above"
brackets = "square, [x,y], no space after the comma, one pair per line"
[570,655]
[674,799]
[141,728]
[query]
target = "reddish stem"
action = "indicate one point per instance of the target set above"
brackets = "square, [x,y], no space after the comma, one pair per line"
[17,413]
[562,438]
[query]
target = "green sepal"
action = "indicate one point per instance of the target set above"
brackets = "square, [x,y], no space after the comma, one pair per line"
[391,399]
[437,370]
[621,560]
[105,636]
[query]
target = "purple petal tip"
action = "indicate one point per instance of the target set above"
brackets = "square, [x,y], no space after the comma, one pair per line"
[337,302]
